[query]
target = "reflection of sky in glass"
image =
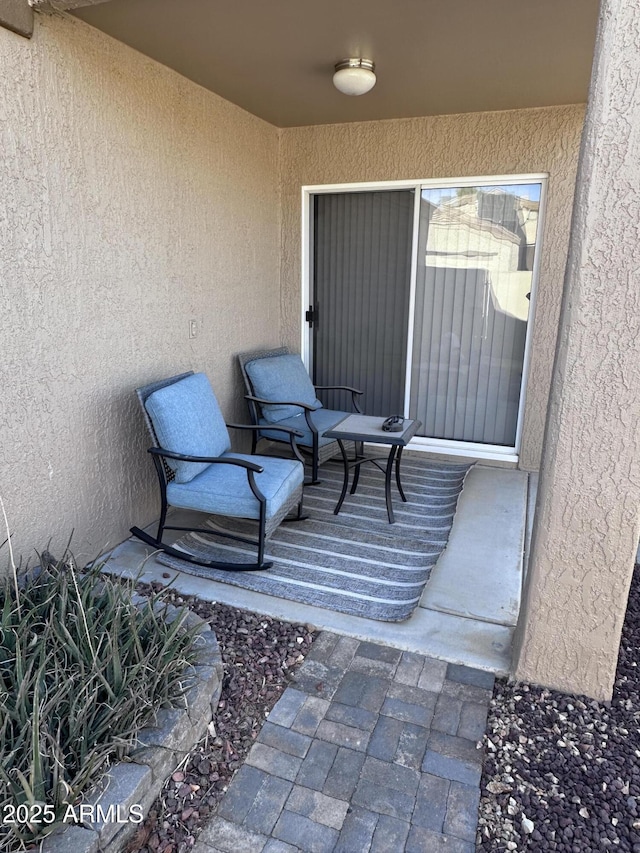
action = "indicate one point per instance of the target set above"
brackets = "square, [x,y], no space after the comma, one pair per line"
[441,195]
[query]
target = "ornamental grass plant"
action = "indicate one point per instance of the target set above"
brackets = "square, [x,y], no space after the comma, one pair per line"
[82,670]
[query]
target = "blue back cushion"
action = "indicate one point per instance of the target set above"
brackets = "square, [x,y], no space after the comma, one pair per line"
[282,377]
[187,419]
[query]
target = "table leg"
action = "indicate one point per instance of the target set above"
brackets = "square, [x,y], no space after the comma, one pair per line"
[358,459]
[399,485]
[345,482]
[356,478]
[387,482]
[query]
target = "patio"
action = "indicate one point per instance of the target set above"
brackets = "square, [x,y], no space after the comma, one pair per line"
[138,187]
[374,744]
[127,182]
[469,608]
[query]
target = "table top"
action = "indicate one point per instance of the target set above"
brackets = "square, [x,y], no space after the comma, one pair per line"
[369,428]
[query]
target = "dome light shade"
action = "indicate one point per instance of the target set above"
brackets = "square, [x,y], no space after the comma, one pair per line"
[354,76]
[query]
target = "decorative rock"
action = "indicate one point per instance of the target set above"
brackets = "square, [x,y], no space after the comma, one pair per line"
[568,765]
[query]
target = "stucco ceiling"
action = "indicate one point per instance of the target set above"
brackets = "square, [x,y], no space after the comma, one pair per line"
[275,58]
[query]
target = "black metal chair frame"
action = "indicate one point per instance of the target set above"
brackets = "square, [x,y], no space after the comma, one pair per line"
[255,409]
[166,475]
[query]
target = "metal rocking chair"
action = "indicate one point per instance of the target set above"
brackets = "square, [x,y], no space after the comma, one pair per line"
[197,470]
[281,394]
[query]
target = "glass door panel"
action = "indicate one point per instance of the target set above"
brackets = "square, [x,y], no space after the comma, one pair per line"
[361,293]
[476,247]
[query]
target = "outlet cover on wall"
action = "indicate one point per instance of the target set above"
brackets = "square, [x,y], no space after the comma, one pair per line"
[193,328]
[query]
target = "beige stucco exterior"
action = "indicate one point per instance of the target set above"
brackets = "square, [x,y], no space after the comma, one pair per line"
[587,524]
[131,201]
[515,142]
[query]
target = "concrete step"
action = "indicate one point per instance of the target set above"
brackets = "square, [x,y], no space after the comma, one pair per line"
[479,575]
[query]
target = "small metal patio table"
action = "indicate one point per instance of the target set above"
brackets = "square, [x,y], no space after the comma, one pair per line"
[366,428]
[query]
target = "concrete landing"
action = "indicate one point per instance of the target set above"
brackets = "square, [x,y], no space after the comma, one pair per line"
[479,575]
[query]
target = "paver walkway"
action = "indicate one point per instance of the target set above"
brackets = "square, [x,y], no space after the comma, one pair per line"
[371,749]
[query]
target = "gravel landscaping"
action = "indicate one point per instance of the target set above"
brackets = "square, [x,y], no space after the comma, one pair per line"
[259,656]
[562,772]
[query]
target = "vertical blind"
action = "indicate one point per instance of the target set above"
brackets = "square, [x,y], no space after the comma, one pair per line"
[362,269]
[471,312]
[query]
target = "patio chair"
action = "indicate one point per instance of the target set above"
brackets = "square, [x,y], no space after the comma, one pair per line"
[197,470]
[281,394]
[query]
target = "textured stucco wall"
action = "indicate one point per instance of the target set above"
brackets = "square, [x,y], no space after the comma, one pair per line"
[131,200]
[586,525]
[515,142]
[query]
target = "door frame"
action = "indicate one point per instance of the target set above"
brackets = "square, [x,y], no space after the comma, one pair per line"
[421,443]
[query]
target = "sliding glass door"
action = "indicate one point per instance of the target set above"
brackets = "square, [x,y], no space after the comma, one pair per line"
[421,296]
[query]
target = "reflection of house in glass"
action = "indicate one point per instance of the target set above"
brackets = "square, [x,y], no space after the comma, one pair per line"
[471,313]
[489,229]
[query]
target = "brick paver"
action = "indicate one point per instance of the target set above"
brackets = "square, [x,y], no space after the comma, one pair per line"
[371,749]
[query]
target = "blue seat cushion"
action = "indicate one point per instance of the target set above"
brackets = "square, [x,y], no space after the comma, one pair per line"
[281,377]
[323,419]
[187,419]
[225,490]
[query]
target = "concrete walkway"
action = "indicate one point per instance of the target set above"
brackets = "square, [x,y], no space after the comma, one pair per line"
[371,749]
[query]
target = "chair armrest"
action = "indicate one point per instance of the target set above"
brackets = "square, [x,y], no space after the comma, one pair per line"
[353,391]
[338,388]
[290,430]
[304,406]
[183,457]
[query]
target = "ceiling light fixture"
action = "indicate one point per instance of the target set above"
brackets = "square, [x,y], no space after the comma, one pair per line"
[354,76]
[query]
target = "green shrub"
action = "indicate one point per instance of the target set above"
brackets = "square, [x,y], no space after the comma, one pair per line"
[82,669]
